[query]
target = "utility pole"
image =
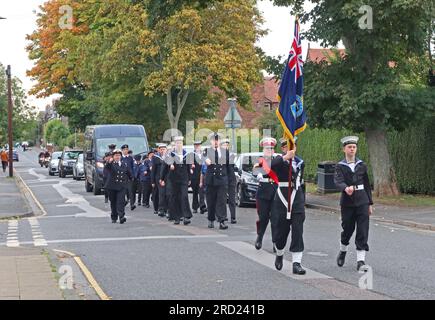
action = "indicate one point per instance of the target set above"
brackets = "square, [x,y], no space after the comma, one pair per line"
[11,145]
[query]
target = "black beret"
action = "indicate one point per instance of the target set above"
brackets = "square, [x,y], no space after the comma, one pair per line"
[124,146]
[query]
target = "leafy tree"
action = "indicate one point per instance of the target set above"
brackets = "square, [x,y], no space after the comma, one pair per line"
[381,83]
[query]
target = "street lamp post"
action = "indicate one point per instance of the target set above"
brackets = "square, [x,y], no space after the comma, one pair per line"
[233,120]
[11,146]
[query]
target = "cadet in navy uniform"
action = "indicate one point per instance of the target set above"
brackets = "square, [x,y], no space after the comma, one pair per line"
[231,181]
[177,170]
[119,175]
[356,202]
[106,174]
[159,192]
[216,181]
[295,219]
[130,163]
[145,178]
[136,185]
[198,196]
[266,190]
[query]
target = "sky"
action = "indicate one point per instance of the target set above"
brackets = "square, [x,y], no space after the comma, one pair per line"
[21,20]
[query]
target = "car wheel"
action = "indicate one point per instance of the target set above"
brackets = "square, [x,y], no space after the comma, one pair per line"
[240,200]
[88,186]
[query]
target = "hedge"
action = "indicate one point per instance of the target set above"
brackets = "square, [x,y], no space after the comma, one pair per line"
[412,152]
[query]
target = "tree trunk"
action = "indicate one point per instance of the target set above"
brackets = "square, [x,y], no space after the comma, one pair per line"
[181,99]
[385,183]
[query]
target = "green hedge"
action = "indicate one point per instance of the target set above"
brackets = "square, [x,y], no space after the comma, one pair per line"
[412,152]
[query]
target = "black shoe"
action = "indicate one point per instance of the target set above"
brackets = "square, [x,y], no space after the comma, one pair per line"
[297,269]
[278,262]
[341,258]
[222,225]
[195,211]
[259,242]
[211,224]
[146,205]
[139,204]
[133,207]
[122,220]
[113,221]
[161,213]
[204,210]
[201,211]
[359,264]
[155,212]
[186,221]
[233,221]
[177,222]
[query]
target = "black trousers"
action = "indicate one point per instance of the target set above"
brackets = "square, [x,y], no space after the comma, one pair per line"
[179,202]
[136,187]
[163,198]
[117,203]
[264,211]
[147,189]
[283,226]
[4,165]
[155,197]
[217,202]
[232,200]
[198,197]
[359,216]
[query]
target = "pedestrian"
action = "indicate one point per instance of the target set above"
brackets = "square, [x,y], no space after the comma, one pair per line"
[5,159]
[268,182]
[118,178]
[216,181]
[145,178]
[294,219]
[136,184]
[356,202]
[106,175]
[177,170]
[232,182]
[198,195]
[159,192]
[128,159]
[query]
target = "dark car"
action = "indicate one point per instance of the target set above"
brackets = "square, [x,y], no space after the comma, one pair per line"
[67,161]
[97,140]
[247,183]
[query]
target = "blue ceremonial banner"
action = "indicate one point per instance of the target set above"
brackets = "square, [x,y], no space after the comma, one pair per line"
[291,112]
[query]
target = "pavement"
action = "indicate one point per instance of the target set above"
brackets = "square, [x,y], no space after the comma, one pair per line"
[26,274]
[12,201]
[150,258]
[417,217]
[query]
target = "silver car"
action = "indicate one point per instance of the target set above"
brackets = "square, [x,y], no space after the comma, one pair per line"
[54,163]
[78,168]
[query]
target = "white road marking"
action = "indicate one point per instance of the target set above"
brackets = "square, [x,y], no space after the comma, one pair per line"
[126,239]
[12,235]
[267,259]
[38,239]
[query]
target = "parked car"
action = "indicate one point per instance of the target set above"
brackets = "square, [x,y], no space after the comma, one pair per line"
[78,168]
[53,166]
[247,184]
[67,161]
[97,140]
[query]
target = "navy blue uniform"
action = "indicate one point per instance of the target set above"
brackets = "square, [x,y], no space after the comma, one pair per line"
[119,176]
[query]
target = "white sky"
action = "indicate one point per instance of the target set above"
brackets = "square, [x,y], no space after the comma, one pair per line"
[21,20]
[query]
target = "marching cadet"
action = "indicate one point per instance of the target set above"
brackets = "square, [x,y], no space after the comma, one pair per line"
[145,178]
[136,185]
[159,192]
[177,170]
[231,181]
[284,147]
[106,174]
[119,175]
[216,181]
[294,219]
[130,163]
[356,202]
[266,190]
[195,159]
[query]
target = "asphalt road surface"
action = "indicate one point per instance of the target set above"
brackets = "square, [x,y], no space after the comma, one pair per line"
[150,258]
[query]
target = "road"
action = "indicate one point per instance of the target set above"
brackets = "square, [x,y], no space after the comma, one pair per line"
[150,258]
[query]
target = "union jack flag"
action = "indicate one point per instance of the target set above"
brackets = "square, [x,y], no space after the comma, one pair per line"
[291,112]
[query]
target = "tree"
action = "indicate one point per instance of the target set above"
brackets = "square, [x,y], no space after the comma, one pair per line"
[56,132]
[195,49]
[380,84]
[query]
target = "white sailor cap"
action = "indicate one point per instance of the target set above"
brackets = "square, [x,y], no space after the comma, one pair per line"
[161,145]
[178,138]
[349,140]
[214,136]
[197,142]
[268,142]
[226,140]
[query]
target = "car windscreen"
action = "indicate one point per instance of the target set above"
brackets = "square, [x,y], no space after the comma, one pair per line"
[248,162]
[71,155]
[136,144]
[56,155]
